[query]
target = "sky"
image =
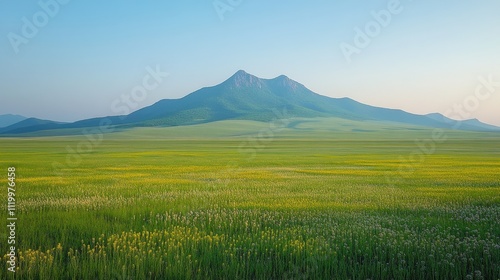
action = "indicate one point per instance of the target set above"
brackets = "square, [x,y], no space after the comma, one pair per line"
[68,60]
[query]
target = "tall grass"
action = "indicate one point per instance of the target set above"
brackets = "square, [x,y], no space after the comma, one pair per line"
[301,209]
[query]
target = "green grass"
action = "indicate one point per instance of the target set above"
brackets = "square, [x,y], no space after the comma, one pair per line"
[215,201]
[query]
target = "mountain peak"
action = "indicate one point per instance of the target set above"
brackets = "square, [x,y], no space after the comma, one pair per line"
[284,81]
[282,77]
[241,73]
[243,79]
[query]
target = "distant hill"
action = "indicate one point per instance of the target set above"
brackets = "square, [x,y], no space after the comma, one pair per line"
[247,97]
[467,123]
[28,125]
[9,119]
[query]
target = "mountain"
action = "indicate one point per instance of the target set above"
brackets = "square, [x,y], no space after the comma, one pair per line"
[247,97]
[9,119]
[467,123]
[244,96]
[29,125]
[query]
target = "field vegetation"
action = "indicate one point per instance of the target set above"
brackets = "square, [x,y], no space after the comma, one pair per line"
[301,203]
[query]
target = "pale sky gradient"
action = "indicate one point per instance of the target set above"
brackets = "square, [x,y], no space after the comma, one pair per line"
[89,53]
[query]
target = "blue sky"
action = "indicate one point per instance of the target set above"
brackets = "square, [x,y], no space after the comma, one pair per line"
[87,54]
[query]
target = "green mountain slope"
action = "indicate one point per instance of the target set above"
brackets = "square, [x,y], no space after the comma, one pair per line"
[247,97]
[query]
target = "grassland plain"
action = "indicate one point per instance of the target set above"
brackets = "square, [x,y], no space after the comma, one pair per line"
[312,203]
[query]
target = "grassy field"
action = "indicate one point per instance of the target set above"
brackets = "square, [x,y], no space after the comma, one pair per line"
[304,202]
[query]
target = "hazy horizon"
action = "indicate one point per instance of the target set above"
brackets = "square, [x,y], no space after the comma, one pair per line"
[77,58]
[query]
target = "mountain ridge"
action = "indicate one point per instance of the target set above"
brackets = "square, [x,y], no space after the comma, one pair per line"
[248,97]
[19,127]
[10,119]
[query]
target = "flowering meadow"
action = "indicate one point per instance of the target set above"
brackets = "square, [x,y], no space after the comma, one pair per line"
[290,208]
